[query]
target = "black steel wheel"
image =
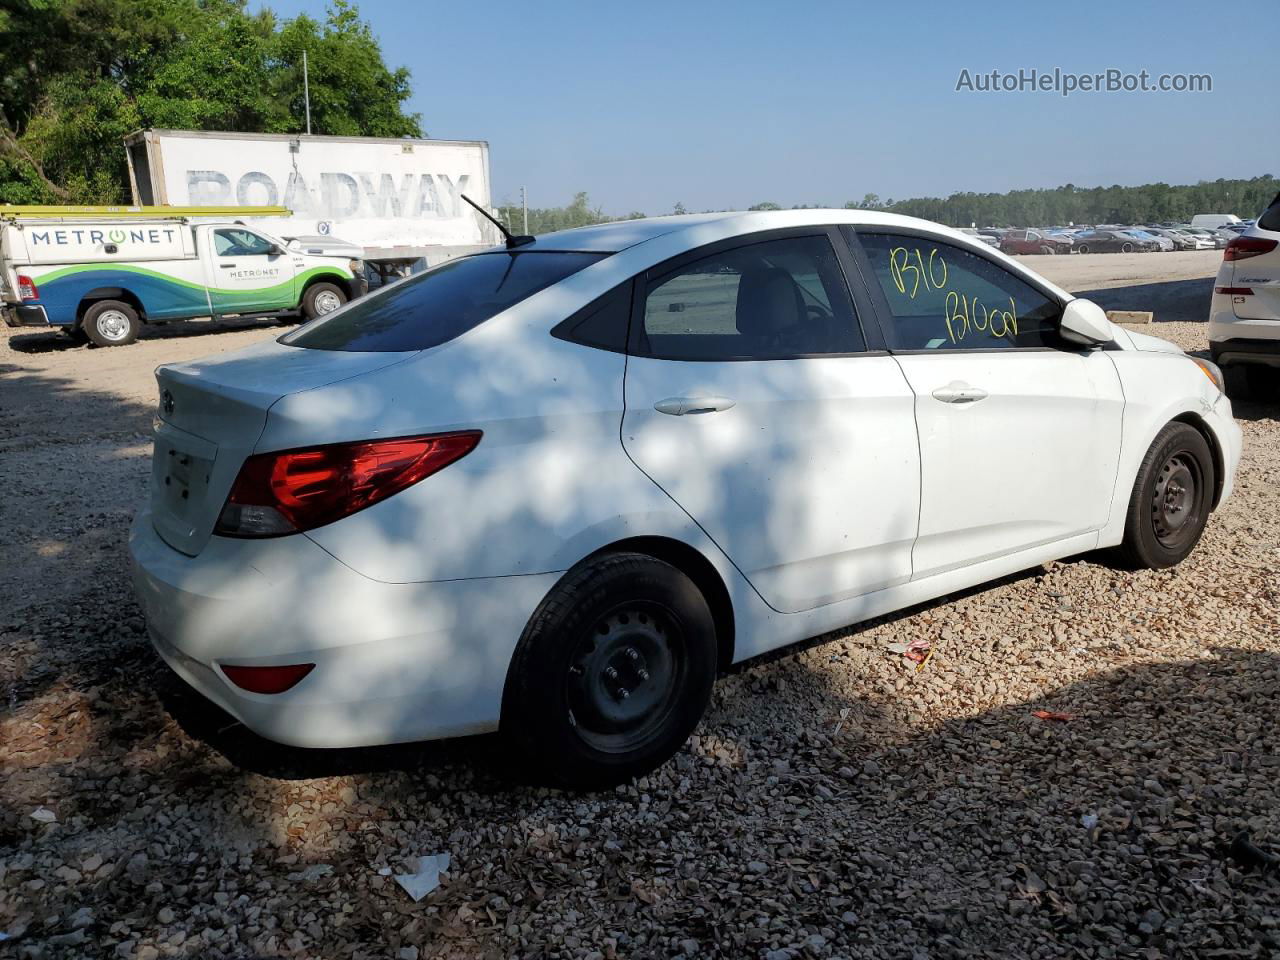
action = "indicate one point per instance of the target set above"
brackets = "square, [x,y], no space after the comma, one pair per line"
[1171,500]
[612,673]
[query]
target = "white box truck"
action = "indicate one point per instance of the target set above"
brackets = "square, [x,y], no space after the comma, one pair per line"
[399,200]
[101,272]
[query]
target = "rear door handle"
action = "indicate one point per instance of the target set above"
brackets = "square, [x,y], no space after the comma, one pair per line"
[227,266]
[680,406]
[957,391]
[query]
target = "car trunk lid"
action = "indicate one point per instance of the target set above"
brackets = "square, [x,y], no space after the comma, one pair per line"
[210,416]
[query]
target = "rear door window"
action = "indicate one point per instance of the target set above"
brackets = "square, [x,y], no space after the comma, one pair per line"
[768,300]
[440,304]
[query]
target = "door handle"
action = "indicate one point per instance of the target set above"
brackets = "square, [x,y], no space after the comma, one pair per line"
[227,266]
[679,406]
[957,391]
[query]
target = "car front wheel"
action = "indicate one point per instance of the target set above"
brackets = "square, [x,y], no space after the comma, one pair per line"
[612,674]
[1171,499]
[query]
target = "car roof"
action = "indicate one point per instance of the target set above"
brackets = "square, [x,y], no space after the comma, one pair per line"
[621,234]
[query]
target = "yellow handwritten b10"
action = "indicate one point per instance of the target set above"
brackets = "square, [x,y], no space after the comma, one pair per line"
[933,275]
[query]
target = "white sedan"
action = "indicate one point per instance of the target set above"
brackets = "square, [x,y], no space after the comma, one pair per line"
[553,488]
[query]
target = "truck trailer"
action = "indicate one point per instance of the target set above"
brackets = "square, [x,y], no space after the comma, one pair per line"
[400,200]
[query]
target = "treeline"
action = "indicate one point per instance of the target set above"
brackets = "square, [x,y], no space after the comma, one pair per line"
[1149,203]
[76,76]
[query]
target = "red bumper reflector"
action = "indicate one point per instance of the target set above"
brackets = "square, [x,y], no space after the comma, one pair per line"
[1234,291]
[267,679]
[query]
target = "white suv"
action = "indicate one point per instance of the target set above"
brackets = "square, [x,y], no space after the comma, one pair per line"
[1244,316]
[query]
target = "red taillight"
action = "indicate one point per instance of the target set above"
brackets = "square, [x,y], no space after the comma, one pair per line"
[27,289]
[295,490]
[1242,248]
[268,679]
[1234,291]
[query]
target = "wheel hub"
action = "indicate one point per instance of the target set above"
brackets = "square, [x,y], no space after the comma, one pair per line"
[622,676]
[113,324]
[1173,501]
[327,302]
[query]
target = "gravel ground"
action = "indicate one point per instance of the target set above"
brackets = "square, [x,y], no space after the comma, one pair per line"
[836,801]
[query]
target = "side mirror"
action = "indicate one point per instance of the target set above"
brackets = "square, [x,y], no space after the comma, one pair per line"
[1085,323]
[274,250]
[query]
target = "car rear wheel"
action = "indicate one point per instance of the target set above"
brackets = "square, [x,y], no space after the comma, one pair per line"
[1126,248]
[1083,248]
[612,673]
[322,298]
[111,323]
[1171,499]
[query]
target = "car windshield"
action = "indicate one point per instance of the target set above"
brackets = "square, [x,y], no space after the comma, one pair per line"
[442,303]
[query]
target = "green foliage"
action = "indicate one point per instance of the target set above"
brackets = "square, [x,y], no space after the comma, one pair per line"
[1151,202]
[76,76]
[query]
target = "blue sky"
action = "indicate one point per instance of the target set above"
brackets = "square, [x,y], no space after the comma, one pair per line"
[724,104]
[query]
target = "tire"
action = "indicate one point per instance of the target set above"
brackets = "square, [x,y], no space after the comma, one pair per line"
[1083,248]
[612,674]
[1126,248]
[1171,499]
[111,323]
[322,298]
[1047,250]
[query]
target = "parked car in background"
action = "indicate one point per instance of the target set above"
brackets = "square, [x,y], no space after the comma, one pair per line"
[712,436]
[1034,241]
[1244,314]
[1182,241]
[1162,243]
[978,235]
[1216,237]
[1112,241]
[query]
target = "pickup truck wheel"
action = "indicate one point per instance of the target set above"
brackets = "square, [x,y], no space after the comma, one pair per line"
[1171,500]
[110,323]
[322,298]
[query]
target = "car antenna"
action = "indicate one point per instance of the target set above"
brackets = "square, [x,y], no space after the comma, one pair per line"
[512,240]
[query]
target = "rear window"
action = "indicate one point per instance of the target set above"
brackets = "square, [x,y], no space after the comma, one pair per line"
[440,304]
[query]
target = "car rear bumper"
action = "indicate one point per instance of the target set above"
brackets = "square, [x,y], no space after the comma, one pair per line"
[394,662]
[24,315]
[1236,340]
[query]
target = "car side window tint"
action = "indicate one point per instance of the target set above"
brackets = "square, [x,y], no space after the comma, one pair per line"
[601,324]
[768,300]
[942,297]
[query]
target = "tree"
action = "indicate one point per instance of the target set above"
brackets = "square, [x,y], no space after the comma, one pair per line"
[76,76]
[765,206]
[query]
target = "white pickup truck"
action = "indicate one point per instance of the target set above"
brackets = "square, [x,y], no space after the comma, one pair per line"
[102,276]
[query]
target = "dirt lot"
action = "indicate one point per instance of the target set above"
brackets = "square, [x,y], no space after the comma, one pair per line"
[836,801]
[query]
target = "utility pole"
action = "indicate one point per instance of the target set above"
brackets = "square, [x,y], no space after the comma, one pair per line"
[306,91]
[524,202]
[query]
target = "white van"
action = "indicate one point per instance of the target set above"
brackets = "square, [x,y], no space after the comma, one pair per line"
[1213,220]
[102,277]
